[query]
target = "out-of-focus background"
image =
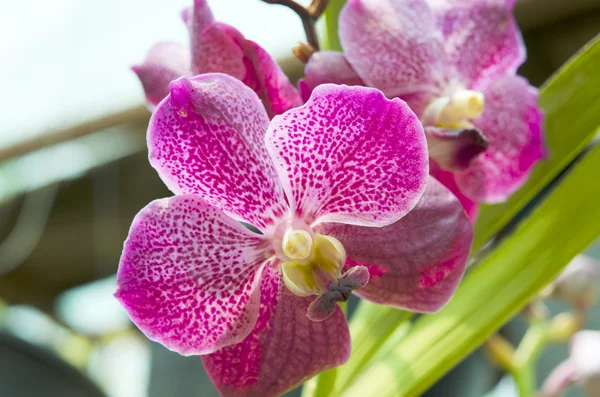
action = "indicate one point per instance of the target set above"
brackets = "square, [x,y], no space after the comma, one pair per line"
[74,172]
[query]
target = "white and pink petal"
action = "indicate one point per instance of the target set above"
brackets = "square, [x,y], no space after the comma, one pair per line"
[350,155]
[417,262]
[189,275]
[285,348]
[393,45]
[482,40]
[207,138]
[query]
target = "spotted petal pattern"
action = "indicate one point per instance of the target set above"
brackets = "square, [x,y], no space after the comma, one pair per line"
[417,262]
[512,125]
[350,155]
[165,62]
[481,39]
[207,138]
[393,44]
[189,275]
[285,348]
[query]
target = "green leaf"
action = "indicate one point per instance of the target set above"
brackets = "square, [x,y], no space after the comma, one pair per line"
[523,264]
[332,14]
[570,101]
[371,325]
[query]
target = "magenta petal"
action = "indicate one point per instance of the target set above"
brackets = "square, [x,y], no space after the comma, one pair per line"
[327,67]
[165,62]
[189,275]
[447,179]
[285,348]
[393,45]
[419,260]
[217,47]
[512,125]
[482,39]
[454,149]
[207,138]
[350,155]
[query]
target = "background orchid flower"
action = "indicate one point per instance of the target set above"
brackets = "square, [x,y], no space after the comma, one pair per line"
[340,192]
[454,62]
[216,47]
[582,367]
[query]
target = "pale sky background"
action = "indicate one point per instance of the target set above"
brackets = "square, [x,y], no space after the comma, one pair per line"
[67,61]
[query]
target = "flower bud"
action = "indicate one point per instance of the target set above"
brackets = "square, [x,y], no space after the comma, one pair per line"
[579,283]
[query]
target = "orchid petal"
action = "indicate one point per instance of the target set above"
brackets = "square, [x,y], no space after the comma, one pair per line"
[327,67]
[417,262]
[189,275]
[585,355]
[285,348]
[217,47]
[453,149]
[446,178]
[207,138]
[350,155]
[481,38]
[165,62]
[393,45]
[512,125]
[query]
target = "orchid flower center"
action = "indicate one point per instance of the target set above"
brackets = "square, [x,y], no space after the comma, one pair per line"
[313,263]
[455,111]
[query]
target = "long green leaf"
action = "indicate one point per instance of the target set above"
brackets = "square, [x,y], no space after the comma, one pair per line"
[561,227]
[570,101]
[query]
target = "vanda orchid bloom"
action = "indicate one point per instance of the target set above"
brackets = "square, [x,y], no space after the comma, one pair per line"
[340,192]
[454,62]
[216,47]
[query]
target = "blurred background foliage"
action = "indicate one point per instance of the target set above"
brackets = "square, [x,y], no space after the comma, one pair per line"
[65,209]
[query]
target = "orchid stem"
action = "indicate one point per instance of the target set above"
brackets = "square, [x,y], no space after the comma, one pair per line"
[309,16]
[525,357]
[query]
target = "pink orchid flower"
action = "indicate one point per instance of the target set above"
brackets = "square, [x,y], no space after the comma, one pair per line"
[216,47]
[340,192]
[454,62]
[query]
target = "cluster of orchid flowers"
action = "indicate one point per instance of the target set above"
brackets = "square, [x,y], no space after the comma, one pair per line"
[365,179]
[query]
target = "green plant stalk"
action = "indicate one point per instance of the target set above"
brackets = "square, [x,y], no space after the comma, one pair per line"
[331,40]
[526,356]
[522,265]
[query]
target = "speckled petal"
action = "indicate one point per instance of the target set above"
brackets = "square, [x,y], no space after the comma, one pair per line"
[446,178]
[189,275]
[327,67]
[285,348]
[217,47]
[207,138]
[393,45]
[481,37]
[512,125]
[417,262]
[165,62]
[350,155]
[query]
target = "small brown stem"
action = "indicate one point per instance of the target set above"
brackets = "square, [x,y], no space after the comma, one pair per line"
[308,15]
